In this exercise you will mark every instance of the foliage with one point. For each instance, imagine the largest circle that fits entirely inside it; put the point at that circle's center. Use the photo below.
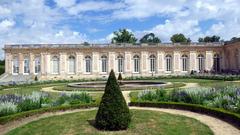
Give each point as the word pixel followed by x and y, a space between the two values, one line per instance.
pixel 235 39
pixel 73 98
pixel 7 108
pixel 120 77
pixel 213 38
pixel 123 36
pixel 150 38
pixel 227 98
pixel 180 38
pixel 35 78
pixel 113 112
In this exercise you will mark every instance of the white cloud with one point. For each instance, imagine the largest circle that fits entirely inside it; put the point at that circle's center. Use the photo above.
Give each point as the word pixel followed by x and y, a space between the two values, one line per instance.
pixel 94 6
pixel 4 11
pixel 65 3
pixel 6 24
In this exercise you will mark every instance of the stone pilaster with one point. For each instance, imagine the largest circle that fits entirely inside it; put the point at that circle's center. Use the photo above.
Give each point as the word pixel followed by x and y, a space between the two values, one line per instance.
pixel 209 60
pixel 128 62
pixel 21 63
pixel 79 63
pixel 47 63
pixel 8 63
pixel 31 63
pixel 160 61
pixel 176 62
pixel 63 63
pixel 111 61
pixel 95 62
pixel 193 61
pixel 144 62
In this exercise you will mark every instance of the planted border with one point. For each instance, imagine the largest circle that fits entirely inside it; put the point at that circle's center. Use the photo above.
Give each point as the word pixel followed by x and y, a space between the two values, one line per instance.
pixel 17 116
pixel 231 118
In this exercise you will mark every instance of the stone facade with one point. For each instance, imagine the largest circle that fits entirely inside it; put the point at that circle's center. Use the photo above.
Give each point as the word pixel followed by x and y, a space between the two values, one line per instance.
pixel 73 61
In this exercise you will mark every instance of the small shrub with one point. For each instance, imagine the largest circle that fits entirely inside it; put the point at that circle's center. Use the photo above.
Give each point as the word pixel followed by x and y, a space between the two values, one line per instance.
pixel 35 78
pixel 7 108
pixel 113 112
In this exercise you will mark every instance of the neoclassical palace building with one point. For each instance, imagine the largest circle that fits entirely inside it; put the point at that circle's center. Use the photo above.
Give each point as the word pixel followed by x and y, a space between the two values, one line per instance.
pixel 73 61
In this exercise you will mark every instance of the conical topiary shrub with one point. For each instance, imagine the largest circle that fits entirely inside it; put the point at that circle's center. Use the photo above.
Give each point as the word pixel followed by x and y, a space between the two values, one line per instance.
pixel 120 77
pixel 113 112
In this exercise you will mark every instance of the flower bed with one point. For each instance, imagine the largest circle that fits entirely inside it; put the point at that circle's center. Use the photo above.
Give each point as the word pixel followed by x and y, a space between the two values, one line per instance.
pixel 15 103
pixel 227 98
pixel 224 115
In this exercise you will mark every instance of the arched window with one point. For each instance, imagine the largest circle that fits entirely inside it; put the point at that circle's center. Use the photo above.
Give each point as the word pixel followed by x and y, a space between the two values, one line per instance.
pixel 184 62
pixel 55 65
pixel 37 65
pixel 120 63
pixel 136 64
pixel 88 64
pixel 216 63
pixel 15 65
pixel 152 63
pixel 201 64
pixel 26 65
pixel 168 62
pixel 71 65
pixel 104 63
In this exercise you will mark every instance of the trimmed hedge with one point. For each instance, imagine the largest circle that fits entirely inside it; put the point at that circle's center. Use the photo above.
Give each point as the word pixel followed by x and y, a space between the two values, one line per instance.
pixel 231 118
pixel 17 116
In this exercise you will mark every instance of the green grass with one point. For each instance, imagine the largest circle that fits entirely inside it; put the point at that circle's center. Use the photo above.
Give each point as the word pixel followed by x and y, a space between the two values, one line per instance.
pixel 143 123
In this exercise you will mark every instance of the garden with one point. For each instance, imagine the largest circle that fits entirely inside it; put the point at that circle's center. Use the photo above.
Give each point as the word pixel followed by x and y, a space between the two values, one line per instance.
pixel 215 96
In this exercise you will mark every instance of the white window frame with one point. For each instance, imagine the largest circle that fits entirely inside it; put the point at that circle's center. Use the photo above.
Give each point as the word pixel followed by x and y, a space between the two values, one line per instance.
pixel 184 63
pixel 201 62
pixel 104 64
pixel 71 58
pixel 57 60
pixel 88 65
pixel 169 63
pixel 15 65
pixel 37 65
pixel 120 64
pixel 136 64
pixel 26 66
pixel 152 64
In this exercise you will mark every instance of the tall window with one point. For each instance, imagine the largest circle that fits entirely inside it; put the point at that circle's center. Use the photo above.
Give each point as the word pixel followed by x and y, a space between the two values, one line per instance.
pixel 201 62
pixel 104 63
pixel 71 65
pixel 120 64
pixel 26 65
pixel 15 66
pixel 216 63
pixel 152 63
pixel 88 64
pixel 184 62
pixel 37 65
pixel 136 65
pixel 55 65
pixel 169 62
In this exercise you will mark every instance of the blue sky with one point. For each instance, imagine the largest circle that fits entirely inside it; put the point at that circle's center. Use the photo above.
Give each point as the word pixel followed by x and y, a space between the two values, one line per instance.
pixel 76 21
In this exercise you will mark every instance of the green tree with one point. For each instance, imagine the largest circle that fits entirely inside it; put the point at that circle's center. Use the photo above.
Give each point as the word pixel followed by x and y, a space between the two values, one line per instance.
pixel 113 112
pixel 179 38
pixel 123 36
pixel 213 38
pixel 150 38
pixel 235 39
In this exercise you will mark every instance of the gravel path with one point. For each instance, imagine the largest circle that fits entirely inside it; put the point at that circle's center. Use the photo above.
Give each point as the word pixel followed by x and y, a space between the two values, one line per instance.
pixel 219 127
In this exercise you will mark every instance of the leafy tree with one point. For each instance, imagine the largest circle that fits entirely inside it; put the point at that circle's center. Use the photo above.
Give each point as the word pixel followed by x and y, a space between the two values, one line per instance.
pixel 123 36
pixel 179 38
pixel 150 38
pixel 235 39
pixel 113 112
pixel 213 38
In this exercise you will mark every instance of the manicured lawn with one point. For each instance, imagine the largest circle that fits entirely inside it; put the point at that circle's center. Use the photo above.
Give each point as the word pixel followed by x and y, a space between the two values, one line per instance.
pixel 143 123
